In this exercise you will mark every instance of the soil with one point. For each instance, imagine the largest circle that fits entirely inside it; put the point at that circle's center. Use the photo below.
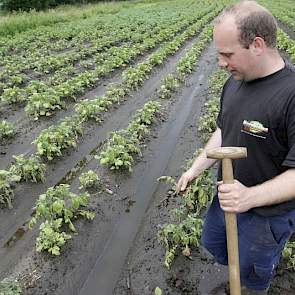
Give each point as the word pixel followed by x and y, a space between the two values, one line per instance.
pixel 118 252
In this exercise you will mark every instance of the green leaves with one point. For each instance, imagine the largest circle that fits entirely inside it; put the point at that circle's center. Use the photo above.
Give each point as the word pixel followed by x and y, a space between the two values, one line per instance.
pixel 43 104
pixel 168 87
pixel 9 287
pixel 180 237
pixel 120 148
pixel 289 254
pixel 158 291
pixel 6 191
pixel 88 179
pixel 58 207
pixel 6 129
pixel 53 140
pixel 28 169
pixel 13 95
pixel 50 238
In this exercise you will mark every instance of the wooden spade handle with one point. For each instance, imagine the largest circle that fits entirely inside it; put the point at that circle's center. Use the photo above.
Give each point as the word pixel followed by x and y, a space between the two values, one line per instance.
pixel 231 235
pixel 226 154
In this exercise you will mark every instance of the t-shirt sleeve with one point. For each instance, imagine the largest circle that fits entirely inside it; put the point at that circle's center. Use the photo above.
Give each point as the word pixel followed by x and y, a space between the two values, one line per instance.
pixel 290 125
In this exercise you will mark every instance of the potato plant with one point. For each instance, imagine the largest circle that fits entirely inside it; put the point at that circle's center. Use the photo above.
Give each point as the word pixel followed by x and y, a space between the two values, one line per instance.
pixel 13 95
pixel 58 207
pixel 9 287
pixel 43 104
pixel 207 123
pixel 118 151
pixel 92 109
pixel 28 169
pixel 168 87
pixel 6 129
pixel 120 148
pixel 289 255
pixel 6 191
pixel 51 239
pixel 180 237
pixel 88 179
pixel 53 140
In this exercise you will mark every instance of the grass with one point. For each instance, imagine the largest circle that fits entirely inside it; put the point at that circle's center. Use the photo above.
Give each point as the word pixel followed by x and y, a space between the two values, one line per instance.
pixel 17 22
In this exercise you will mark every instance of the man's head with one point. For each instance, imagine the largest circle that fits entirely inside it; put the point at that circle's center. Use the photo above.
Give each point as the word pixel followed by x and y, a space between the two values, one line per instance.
pixel 244 34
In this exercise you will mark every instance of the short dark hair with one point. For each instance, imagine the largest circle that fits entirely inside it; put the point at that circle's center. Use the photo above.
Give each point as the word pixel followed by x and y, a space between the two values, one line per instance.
pixel 254 22
pixel 258 24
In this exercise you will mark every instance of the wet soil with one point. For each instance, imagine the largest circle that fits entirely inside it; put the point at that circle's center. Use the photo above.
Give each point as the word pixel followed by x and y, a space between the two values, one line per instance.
pixel 117 252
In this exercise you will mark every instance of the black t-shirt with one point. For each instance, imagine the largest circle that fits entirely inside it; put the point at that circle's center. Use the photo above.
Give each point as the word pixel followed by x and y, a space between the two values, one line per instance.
pixel 260 115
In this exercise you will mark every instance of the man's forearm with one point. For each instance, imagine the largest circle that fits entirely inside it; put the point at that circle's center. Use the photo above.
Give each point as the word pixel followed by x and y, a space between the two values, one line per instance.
pixel 202 162
pixel 277 190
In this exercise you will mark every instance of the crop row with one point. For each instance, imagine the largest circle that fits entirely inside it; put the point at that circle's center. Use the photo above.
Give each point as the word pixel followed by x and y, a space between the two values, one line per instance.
pixel 132 78
pixel 118 152
pixel 120 148
pixel 43 100
pixel 67 35
pixel 128 32
pixel 52 141
pixel 184 232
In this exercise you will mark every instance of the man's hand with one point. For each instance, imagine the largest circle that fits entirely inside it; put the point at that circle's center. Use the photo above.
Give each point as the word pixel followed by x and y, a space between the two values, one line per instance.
pixel 234 197
pixel 185 178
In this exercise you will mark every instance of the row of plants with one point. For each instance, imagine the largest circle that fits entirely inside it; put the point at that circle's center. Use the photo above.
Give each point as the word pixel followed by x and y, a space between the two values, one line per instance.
pixel 46 101
pixel 185 66
pixel 134 32
pixel 53 140
pixel 91 28
pixel 184 232
pixel 123 145
pixel 135 76
pixel 57 209
pixel 50 61
pixel 23 169
pixel 282 11
pixel 47 143
pixel 13 79
pixel 287 44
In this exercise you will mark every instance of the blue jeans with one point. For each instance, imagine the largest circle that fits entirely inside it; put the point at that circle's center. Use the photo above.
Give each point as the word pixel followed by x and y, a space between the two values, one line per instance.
pixel 261 242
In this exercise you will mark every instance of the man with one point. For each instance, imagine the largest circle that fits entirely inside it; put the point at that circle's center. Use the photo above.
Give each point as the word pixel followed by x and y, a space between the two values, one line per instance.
pixel 257 112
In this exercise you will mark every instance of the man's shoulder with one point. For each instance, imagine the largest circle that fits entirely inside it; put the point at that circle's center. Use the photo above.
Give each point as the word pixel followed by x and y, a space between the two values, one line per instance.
pixel 290 69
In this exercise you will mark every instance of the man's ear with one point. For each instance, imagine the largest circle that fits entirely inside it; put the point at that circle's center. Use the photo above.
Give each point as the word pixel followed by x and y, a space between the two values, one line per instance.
pixel 258 46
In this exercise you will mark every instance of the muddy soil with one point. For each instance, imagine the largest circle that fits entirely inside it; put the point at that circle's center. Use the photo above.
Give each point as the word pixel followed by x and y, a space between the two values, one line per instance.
pixel 117 252
pixel 115 201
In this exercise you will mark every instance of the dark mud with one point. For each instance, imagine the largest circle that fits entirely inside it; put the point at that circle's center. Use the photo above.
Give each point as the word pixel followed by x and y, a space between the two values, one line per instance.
pixel 117 252
pixel 20 257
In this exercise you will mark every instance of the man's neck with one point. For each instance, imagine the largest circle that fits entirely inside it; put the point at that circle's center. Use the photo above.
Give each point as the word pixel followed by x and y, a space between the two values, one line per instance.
pixel 272 64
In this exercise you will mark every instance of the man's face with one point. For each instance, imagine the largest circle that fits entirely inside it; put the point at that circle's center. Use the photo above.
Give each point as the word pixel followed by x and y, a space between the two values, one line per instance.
pixel 232 56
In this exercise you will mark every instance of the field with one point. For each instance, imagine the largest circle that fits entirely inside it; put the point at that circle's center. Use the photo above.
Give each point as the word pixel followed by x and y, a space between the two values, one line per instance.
pixel 96 105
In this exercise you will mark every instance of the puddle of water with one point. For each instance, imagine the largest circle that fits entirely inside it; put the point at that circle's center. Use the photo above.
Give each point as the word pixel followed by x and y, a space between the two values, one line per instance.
pixel 16 236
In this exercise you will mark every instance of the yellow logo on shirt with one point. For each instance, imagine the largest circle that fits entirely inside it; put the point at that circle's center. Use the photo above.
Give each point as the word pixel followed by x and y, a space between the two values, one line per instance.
pixel 254 128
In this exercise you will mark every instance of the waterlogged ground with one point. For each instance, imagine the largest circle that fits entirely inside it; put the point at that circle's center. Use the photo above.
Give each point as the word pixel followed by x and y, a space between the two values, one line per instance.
pixel 118 252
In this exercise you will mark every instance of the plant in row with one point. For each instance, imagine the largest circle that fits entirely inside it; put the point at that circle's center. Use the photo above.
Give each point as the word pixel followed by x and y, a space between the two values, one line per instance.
pixel 58 207
pixel 6 187
pixel 28 169
pixel 53 140
pixel 120 148
pixel 88 179
pixel 6 129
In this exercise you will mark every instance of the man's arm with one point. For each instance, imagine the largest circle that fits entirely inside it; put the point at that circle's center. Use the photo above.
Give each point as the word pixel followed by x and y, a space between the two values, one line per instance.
pixel 201 163
pixel 238 198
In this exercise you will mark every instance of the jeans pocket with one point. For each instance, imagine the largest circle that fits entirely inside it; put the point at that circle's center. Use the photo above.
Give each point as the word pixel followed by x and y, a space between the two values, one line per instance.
pixel 261 275
pixel 258 232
